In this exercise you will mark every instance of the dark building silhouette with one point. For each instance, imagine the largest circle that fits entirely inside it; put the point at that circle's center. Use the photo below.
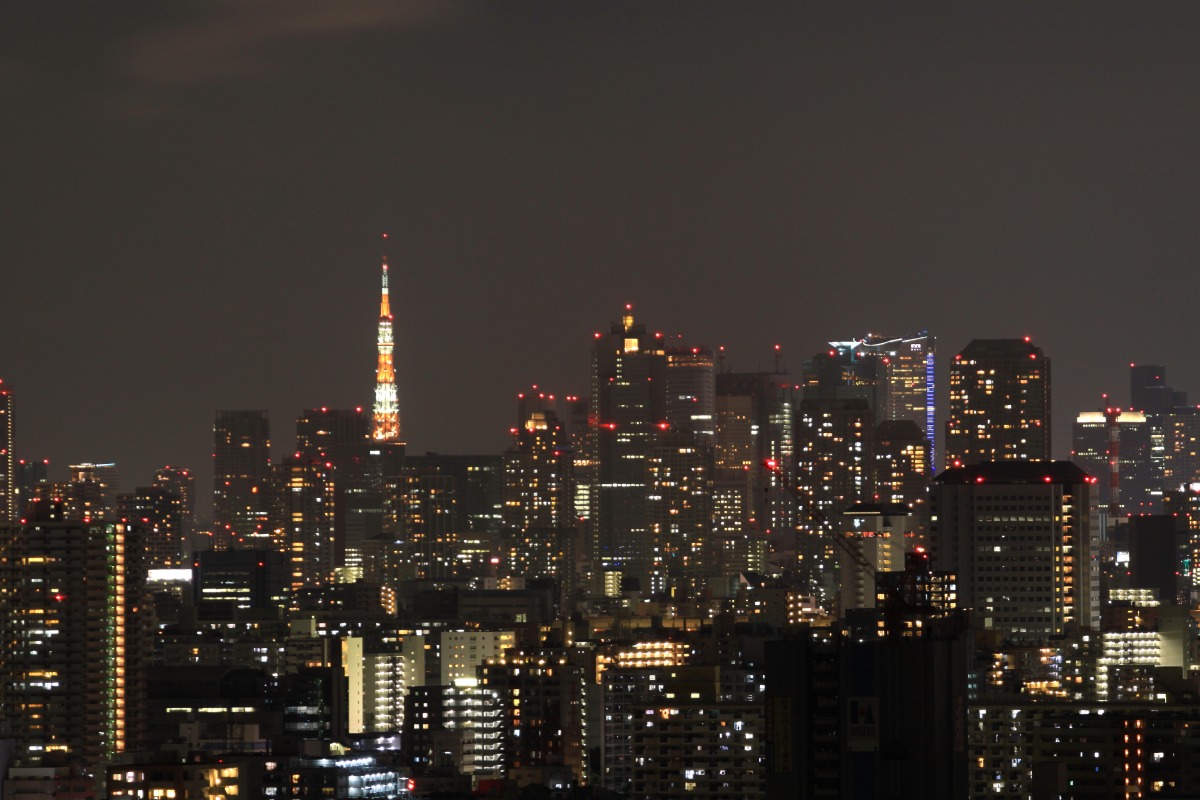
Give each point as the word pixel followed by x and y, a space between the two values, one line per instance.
pixel 241 476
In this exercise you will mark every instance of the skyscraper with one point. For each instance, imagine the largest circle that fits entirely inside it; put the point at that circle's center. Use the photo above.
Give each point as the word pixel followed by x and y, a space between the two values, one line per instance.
pixel 301 520
pixel 180 481
pixel 241 463
pixel 999 403
pixel 8 500
pixel 539 491
pixel 894 375
pixel 755 426
pixel 159 514
pixel 99 484
pixel 628 407
pixel 386 426
pixel 1092 443
pixel 1020 539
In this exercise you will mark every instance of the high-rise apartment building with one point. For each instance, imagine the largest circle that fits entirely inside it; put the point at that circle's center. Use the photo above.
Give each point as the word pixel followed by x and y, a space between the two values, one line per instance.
pixel 241 476
pixel 1019 537
pixel 999 403
pixel 8 499
pixel 76 638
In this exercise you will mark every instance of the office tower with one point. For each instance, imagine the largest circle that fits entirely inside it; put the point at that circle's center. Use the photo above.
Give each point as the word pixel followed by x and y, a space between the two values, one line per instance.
pixel 755 427
pixel 28 475
pixel 225 581
pixel 386 426
pixel 902 454
pixel 894 375
pixel 302 520
pixel 9 510
pixel 332 433
pixel 1183 504
pixel 1150 394
pixel 628 405
pixel 241 473
pixel 1148 390
pixel 539 492
pixel 159 514
pixel 1102 440
pixel 77 639
pixel 691 392
pixel 1019 537
pixel 100 484
pixel 477 482
pixel 423 507
pixel 999 403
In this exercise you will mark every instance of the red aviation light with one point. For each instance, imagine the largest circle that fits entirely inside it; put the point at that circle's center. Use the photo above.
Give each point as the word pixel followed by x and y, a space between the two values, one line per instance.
pixel 1028 339
pixel 662 426
pixel 979 479
pixel 1047 479
pixel 771 464
pixel 58 598
pixel 1033 355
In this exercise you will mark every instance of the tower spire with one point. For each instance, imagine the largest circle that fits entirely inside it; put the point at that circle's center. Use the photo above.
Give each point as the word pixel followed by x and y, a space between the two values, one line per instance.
pixel 386 426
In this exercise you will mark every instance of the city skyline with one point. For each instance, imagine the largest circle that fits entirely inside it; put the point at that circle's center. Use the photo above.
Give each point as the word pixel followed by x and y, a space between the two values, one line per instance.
pixel 206 243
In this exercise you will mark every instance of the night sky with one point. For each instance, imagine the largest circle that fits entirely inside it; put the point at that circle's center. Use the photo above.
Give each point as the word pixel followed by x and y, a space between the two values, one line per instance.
pixel 193 197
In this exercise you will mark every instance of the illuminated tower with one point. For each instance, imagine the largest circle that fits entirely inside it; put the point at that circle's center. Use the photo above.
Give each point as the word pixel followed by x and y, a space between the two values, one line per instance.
pixel 387 408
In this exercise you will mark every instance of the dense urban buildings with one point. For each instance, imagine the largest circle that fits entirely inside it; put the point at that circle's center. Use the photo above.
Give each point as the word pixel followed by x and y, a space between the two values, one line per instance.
pixel 692 581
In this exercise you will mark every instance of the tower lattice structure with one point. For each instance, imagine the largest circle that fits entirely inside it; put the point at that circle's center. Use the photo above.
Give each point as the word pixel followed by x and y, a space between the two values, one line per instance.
pixel 386 427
